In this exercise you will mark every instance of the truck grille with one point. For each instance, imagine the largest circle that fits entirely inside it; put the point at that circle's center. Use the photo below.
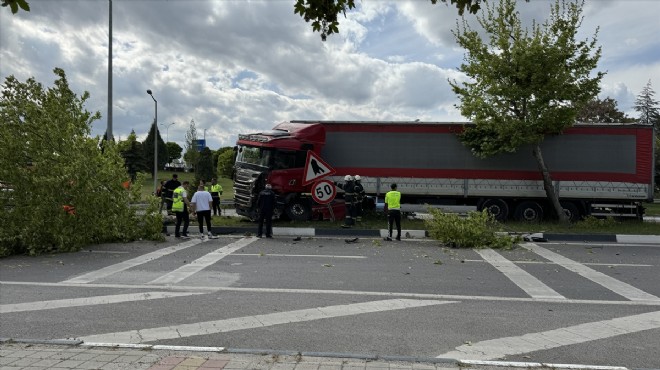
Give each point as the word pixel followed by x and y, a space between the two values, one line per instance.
pixel 243 197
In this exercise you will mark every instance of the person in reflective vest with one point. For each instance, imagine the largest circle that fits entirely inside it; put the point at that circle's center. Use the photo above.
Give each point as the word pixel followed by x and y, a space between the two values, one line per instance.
pixel 216 192
pixel 180 207
pixel 393 211
pixel 349 200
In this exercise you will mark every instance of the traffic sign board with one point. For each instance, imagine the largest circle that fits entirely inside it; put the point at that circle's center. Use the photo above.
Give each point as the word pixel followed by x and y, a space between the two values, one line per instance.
pixel 315 168
pixel 324 191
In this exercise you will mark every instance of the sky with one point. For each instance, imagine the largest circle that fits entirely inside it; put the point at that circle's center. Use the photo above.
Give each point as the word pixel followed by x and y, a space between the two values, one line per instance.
pixel 242 66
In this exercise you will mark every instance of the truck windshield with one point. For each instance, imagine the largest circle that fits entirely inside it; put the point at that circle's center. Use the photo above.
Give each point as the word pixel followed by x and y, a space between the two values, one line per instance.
pixel 254 155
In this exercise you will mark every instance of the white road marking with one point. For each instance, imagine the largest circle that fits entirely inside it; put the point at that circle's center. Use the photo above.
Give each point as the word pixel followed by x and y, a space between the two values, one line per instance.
pixel 122 266
pixel 502 347
pixel 524 280
pixel 201 263
pixel 618 287
pixel 337 292
pixel 257 321
pixel 88 301
pixel 530 365
pixel 297 255
pixel 586 263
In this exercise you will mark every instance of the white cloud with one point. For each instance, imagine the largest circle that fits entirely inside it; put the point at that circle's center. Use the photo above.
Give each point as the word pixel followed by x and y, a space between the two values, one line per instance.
pixel 234 66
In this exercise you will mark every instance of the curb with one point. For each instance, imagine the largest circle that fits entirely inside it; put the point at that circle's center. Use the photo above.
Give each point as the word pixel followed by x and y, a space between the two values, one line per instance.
pixel 367 357
pixel 423 234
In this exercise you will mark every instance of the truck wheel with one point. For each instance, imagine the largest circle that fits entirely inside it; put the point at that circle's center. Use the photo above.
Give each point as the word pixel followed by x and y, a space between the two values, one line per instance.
pixel 571 210
pixel 496 207
pixel 298 210
pixel 529 212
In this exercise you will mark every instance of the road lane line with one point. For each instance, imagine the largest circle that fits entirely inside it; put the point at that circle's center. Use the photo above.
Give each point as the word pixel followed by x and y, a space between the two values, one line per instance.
pixel 586 263
pixel 502 347
pixel 257 321
pixel 201 263
pixel 122 266
pixel 297 255
pixel 524 280
pixel 88 301
pixel 617 286
pixel 485 298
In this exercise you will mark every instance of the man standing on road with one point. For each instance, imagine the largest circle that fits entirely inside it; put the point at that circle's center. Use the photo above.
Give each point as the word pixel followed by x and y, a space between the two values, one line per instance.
pixel 349 199
pixel 201 203
pixel 216 192
pixel 170 186
pixel 266 206
pixel 393 210
pixel 180 207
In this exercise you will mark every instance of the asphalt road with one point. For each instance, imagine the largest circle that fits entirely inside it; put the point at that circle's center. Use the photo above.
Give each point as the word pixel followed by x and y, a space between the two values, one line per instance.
pixel 581 303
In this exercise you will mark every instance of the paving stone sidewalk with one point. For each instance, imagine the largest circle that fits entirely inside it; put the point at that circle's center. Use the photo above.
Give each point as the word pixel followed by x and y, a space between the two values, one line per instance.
pixel 24 356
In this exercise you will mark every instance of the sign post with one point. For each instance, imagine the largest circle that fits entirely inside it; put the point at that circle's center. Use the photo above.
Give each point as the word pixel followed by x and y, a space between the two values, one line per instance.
pixel 324 192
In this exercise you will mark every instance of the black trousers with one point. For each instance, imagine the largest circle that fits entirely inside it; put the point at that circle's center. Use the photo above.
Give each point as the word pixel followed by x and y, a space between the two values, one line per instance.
pixel 182 216
pixel 394 216
pixel 201 216
pixel 266 217
pixel 216 206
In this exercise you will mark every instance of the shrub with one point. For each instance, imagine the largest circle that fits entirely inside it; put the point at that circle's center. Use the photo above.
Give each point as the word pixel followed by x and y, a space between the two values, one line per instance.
pixel 66 190
pixel 477 230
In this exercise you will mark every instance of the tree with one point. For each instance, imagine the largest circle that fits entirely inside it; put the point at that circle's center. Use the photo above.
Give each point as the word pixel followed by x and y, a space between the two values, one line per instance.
pixel 66 193
pixel 323 13
pixel 124 145
pixel 525 85
pixel 649 113
pixel 15 4
pixel 174 151
pixel 148 148
pixel 134 159
pixel 192 154
pixel 602 111
pixel 205 170
pixel 225 167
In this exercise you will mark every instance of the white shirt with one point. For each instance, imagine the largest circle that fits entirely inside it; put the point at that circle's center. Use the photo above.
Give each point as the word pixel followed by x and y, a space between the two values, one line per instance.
pixel 201 200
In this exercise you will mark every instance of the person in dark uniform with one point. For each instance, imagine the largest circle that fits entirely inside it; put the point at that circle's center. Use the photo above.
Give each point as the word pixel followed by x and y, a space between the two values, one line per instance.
pixel 349 199
pixel 266 206
pixel 170 186
pixel 359 197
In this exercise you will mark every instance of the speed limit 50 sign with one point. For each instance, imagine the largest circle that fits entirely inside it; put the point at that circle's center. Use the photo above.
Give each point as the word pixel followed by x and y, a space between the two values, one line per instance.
pixel 324 191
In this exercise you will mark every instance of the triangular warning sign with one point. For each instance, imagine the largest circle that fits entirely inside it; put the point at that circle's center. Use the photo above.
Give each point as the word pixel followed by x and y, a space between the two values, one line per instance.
pixel 315 168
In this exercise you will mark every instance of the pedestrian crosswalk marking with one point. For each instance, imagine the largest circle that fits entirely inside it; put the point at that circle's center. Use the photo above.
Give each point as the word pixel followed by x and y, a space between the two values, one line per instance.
pixel 619 287
pixel 501 347
pixel 89 301
pixel 258 321
pixel 201 263
pixel 122 266
pixel 524 280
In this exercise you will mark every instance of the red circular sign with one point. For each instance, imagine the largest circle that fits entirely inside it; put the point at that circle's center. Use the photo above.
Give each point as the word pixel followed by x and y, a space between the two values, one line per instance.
pixel 324 191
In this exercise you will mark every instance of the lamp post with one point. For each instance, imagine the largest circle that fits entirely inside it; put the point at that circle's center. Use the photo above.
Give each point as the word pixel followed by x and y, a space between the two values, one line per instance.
pixel 155 142
pixel 167 130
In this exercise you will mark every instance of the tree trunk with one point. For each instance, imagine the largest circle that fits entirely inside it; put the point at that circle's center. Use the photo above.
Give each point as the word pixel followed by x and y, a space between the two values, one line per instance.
pixel 548 186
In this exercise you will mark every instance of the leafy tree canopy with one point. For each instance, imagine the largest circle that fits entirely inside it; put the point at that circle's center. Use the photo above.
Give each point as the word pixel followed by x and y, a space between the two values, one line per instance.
pixel 647 106
pixel 15 4
pixel 525 84
pixel 602 111
pixel 65 192
pixel 174 151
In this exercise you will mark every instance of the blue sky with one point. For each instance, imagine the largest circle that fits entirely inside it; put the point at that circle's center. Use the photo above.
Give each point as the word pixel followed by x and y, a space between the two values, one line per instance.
pixel 237 66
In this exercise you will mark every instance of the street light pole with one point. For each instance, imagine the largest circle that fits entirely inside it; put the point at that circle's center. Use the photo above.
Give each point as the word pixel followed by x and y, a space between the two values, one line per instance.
pixel 167 130
pixel 155 142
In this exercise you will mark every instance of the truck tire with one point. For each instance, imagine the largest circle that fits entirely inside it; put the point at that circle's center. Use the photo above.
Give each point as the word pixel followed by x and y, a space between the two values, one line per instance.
pixel 496 207
pixel 298 210
pixel 571 210
pixel 528 211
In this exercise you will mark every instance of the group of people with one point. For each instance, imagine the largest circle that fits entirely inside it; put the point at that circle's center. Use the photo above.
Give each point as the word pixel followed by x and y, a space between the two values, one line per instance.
pixel 354 195
pixel 174 195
